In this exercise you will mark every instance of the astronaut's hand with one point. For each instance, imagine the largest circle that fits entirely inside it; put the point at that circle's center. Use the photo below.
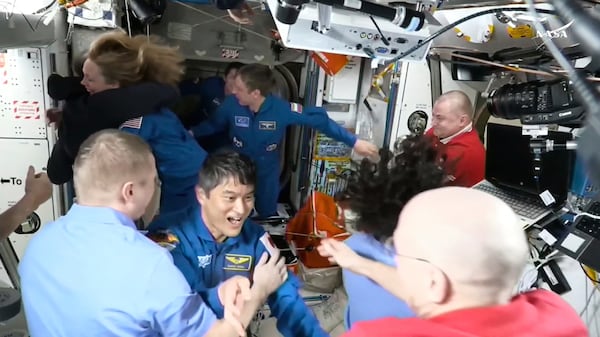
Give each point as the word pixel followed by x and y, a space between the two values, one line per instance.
pixel 366 149
pixel 38 188
pixel 269 275
pixel 242 14
pixel 233 293
pixel 54 116
pixel 339 253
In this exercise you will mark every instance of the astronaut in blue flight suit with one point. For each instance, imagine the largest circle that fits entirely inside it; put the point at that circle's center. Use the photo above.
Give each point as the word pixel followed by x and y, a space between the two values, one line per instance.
pixel 216 240
pixel 178 157
pixel 212 91
pixel 256 121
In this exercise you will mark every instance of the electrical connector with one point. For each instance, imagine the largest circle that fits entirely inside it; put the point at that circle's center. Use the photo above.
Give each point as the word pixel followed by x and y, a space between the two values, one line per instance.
pixel 554 277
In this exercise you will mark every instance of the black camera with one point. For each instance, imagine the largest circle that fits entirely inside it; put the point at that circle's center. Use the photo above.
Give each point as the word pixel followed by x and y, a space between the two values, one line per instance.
pixel 289 10
pixel 537 102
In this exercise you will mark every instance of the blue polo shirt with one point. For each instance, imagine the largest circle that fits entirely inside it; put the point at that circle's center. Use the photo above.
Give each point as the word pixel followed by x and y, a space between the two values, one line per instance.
pixel 367 300
pixel 91 273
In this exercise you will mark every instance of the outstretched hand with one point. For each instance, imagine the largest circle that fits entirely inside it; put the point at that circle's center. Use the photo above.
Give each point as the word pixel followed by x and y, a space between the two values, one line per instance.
pixel 366 149
pixel 38 187
pixel 339 253
pixel 242 15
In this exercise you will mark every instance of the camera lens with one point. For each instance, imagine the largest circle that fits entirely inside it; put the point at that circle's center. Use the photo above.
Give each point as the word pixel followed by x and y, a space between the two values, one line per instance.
pixel 511 101
pixel 288 10
pixel 287 14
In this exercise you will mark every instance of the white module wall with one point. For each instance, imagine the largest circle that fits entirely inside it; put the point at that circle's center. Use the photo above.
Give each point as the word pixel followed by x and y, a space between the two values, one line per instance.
pixel 24 136
pixel 22 99
pixel 22 153
pixel 414 99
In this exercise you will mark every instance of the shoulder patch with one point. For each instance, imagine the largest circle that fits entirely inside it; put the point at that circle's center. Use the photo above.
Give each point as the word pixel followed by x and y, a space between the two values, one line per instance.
pixel 296 107
pixel 268 243
pixel 164 239
pixel 135 123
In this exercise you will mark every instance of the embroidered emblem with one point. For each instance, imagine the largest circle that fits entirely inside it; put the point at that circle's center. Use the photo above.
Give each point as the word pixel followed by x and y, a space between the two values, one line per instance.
pixel 237 262
pixel 204 261
pixel 135 123
pixel 242 121
pixel 295 107
pixel 237 142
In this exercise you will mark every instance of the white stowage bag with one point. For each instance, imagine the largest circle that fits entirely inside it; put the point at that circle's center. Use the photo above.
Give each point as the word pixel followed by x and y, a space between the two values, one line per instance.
pixel 329 308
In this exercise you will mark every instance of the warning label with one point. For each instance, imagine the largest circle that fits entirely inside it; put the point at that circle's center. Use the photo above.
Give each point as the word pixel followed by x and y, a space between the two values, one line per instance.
pixel 26 109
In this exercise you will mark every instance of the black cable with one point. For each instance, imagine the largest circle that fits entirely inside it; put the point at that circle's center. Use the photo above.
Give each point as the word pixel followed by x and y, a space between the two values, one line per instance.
pixel 28 23
pixel 465 19
pixel 383 38
pixel 545 251
pixel 46 10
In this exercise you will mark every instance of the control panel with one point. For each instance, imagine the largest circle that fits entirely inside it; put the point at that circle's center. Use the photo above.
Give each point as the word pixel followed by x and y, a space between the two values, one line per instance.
pixel 351 33
pixel 371 43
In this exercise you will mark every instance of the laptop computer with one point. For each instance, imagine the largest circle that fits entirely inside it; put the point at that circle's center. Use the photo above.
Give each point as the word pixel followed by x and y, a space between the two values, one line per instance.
pixel 582 242
pixel 509 171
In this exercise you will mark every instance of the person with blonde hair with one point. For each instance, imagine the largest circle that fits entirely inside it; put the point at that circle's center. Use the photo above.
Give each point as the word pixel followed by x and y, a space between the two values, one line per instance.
pixel 128 83
pixel 92 273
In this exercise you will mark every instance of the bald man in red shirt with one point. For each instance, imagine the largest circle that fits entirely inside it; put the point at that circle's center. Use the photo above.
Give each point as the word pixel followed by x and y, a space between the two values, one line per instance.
pixel 458 273
pixel 452 127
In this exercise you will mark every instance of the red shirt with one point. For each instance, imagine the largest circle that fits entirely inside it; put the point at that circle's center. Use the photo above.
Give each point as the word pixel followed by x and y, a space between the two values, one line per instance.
pixel 465 158
pixel 538 313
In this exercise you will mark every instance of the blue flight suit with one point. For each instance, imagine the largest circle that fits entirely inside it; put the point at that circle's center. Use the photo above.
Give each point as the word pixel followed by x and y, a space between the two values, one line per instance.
pixel 212 91
pixel 178 157
pixel 206 263
pixel 259 136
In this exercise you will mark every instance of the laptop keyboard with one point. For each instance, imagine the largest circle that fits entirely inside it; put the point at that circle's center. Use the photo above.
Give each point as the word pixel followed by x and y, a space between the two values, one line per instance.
pixel 589 225
pixel 523 206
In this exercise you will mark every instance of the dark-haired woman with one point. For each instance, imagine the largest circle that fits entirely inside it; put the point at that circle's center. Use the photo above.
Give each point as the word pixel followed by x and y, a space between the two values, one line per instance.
pixel 376 195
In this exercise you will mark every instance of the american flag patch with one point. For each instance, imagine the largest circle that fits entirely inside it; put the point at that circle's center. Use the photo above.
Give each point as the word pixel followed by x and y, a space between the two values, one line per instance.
pixel 295 107
pixel 135 123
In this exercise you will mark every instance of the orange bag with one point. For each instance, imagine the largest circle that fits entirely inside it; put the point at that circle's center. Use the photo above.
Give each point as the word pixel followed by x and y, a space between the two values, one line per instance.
pixel 331 63
pixel 320 217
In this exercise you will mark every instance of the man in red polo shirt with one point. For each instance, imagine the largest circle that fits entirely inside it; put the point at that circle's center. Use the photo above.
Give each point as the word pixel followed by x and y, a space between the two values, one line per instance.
pixel 458 272
pixel 452 125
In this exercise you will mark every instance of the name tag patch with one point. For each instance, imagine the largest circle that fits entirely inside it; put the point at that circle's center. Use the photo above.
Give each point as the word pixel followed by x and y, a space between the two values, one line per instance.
pixel 242 121
pixel 237 262
pixel 267 125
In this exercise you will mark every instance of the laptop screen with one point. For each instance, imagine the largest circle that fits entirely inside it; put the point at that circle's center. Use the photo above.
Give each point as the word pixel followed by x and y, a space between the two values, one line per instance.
pixel 509 162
